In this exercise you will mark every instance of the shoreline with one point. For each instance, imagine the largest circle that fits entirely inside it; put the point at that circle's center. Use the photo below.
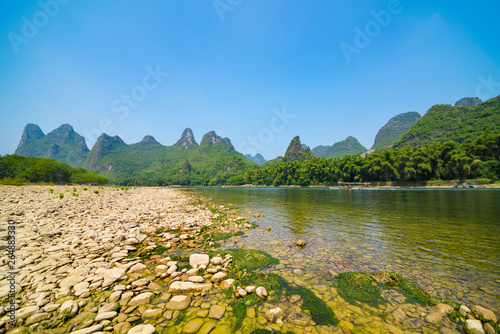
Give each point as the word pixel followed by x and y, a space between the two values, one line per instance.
pixel 109 259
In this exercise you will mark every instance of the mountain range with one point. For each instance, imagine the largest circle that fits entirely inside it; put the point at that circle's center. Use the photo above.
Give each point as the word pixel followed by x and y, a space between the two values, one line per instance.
pixel 63 144
pixel 215 157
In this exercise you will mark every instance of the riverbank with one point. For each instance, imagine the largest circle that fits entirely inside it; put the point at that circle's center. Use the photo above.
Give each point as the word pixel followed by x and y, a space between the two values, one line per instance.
pixel 103 259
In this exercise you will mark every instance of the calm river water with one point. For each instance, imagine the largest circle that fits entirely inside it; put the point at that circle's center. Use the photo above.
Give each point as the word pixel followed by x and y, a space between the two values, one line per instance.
pixel 445 240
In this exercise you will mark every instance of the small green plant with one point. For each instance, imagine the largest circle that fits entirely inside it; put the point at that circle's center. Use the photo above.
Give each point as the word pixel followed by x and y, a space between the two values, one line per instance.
pixel 85 188
pixel 61 195
pixel 74 190
pixel 96 191
pixel 51 190
pixel 75 194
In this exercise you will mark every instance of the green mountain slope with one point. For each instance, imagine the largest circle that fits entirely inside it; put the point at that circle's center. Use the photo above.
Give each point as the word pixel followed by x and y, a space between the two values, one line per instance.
pixel 149 162
pixel 63 144
pixel 444 122
pixel 393 130
pixel 348 146
pixel 297 152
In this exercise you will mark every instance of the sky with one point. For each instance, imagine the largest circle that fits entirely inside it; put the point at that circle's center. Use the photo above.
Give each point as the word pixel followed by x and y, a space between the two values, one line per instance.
pixel 258 72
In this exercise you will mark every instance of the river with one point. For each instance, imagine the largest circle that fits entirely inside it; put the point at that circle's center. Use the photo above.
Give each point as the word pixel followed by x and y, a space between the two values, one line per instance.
pixel 445 240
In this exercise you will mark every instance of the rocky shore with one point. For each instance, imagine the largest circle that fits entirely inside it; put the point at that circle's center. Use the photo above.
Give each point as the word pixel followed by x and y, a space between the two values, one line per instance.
pixel 145 260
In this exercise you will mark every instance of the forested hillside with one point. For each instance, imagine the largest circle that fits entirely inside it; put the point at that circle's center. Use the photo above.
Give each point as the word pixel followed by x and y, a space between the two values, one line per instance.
pixel 444 122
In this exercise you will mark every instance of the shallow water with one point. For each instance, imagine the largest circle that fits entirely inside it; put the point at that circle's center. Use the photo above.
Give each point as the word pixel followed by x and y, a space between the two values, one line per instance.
pixel 447 241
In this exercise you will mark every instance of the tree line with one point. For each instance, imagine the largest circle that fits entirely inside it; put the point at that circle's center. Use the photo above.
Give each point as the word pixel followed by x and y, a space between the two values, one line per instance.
pixel 16 169
pixel 437 161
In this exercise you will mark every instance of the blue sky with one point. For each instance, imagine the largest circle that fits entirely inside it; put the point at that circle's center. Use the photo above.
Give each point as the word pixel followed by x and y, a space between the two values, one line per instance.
pixel 334 68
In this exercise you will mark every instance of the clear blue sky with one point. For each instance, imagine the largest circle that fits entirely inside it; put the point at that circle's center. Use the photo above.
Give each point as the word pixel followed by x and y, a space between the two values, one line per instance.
pixel 233 63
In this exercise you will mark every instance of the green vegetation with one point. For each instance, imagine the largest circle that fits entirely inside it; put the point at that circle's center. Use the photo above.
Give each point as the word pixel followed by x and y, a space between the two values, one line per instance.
pixel 360 286
pixel 460 124
pixel 61 195
pixel 246 261
pixel 15 169
pixel 349 146
pixel 297 152
pixel 96 192
pixel 394 129
pixel 366 287
pixel 448 161
pixel 144 253
pixel 213 162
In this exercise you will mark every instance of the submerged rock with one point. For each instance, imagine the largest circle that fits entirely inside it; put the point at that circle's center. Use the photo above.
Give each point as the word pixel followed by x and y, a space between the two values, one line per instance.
pixel 473 327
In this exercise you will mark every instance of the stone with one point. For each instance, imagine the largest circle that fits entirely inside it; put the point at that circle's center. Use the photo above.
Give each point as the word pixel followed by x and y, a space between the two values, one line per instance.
pixel 261 292
pixel 219 277
pixel 160 269
pixel 399 315
pixel 196 279
pixel 188 287
pixel 207 328
pixel 444 308
pixel 412 323
pixel 71 281
pixel 294 299
pixel 25 312
pixel 137 268
pixel 485 313
pixel 222 329
pixel 71 305
pixel 152 313
pixel 142 329
pixel 110 275
pixel 434 318
pixel 81 287
pixel 333 273
pixel 180 302
pixel 106 316
pixel 216 312
pixel 140 282
pixel 89 330
pixel 141 299
pixel 108 307
pixel 199 259
pixel 36 318
pixel 227 283
pixel 300 242
pixel 241 292
pixel 299 318
pixel 464 310
pixel 115 296
pixel 473 327
pixel 192 326
pixel 447 330
pixel 274 314
pixel 250 289
pixel 122 327
pixel 172 270
pixel 488 329
pixel 216 260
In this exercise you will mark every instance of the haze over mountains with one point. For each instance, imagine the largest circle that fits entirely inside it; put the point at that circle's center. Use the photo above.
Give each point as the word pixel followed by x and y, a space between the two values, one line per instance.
pixel 216 156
